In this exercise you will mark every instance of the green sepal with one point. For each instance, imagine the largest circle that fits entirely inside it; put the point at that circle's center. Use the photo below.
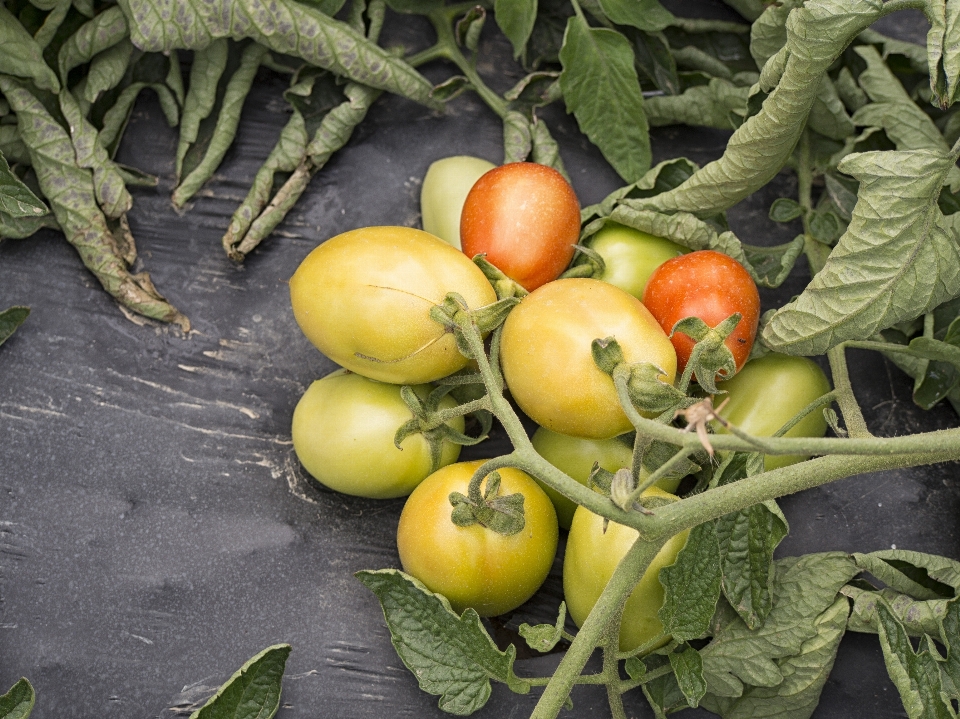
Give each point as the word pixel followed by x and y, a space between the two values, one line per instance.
pixel 503 285
pixel 710 356
pixel 544 637
pixel 451 656
pixel 648 392
pixel 501 514
pixel 253 692
pixel 10 319
pixel 18 702
pixel 635 668
pixel 607 354
pixel 588 263
pixel 621 489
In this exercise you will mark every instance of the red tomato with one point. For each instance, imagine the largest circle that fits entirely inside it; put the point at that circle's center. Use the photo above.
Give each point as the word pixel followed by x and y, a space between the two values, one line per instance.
pixel 526 218
pixel 709 285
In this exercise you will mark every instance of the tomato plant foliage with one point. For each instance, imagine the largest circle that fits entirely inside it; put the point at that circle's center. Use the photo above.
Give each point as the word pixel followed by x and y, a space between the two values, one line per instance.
pixel 866 122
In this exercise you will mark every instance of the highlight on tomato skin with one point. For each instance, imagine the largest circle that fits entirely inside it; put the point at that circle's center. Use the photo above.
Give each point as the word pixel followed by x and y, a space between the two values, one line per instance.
pixel 525 218
pixel 709 285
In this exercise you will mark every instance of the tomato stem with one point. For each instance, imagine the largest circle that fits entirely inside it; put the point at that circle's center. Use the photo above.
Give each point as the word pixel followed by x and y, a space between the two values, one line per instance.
pixel 843 389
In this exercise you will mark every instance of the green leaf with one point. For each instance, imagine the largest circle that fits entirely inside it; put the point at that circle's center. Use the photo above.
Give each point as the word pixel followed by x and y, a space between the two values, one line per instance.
pixel 784 209
pixel 544 637
pixel 515 19
pixel 517 141
pixel 16 199
pixel 918 616
pixel 601 89
pixel 18 702
pixel 747 540
pixel 287 27
pixel 817 33
pixel 828 116
pixel 804 588
pixel 663 693
pixel 688 669
pixel 770 266
pixel 715 104
pixel 897 259
pixel 646 15
pixel 22 56
pixel 546 151
pixel 916 675
pixel 662 177
pixel 923 576
pixel 70 191
pixel 692 585
pixel 107 70
pixel 205 72
pixel 451 656
pixel 653 58
pixel 225 129
pixel 943 52
pixel 804 675
pixel 895 112
pixel 950 636
pixel 102 32
pixel 253 692
pixel 825 226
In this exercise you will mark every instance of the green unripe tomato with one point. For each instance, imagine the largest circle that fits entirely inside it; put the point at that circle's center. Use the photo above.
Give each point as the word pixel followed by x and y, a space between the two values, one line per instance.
pixel 630 256
pixel 445 187
pixel 343 430
pixel 576 456
pixel 593 553
pixel 767 393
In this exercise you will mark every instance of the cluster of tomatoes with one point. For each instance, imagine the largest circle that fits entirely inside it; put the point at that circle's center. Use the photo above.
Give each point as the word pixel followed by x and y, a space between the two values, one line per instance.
pixel 365 298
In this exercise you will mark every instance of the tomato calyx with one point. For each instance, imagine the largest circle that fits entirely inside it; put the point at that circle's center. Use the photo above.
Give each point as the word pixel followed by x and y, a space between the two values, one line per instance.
pixel 456 316
pixel 587 263
pixel 504 286
pixel 648 392
pixel 431 422
pixel 710 357
pixel 501 514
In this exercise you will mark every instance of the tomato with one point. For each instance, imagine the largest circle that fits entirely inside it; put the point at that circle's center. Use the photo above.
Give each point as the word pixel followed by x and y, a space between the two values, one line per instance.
pixel 709 285
pixel 630 256
pixel 445 187
pixel 576 456
pixel 364 299
pixel 343 430
pixel 475 566
pixel 767 393
pixel 545 352
pixel 526 218
pixel 593 553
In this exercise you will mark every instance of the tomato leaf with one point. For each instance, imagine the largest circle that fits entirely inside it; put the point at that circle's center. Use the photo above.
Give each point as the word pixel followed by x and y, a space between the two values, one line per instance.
pixel 22 56
pixel 919 590
pixel 18 702
pixel 660 178
pixel 914 260
pixel 942 53
pixel 16 199
pixel 10 319
pixel 895 112
pixel 816 34
pixel 663 693
pixel 544 637
pixel 253 692
pixel 648 15
pixel 287 27
pixel 515 18
pixel 452 656
pixel 692 585
pixel 805 674
pixel 803 589
pixel 748 539
pixel 915 674
pixel 784 209
pixel 719 103
pixel 688 668
pixel 601 88
pixel 950 636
